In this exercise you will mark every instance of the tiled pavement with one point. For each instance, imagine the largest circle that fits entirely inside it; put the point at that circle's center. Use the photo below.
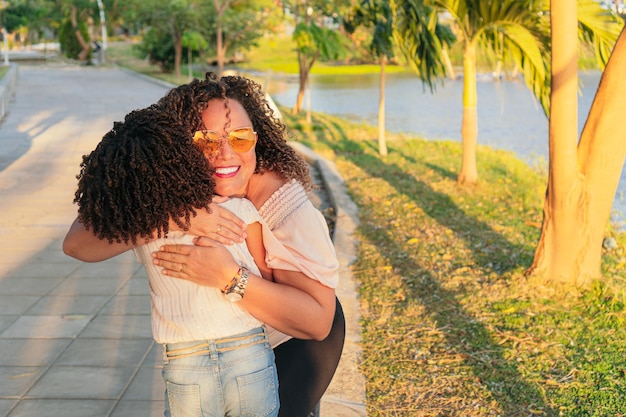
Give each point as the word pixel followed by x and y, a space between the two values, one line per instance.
pixel 75 337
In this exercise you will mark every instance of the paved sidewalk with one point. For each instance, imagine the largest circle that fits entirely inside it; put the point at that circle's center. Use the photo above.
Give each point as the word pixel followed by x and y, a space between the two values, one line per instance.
pixel 76 337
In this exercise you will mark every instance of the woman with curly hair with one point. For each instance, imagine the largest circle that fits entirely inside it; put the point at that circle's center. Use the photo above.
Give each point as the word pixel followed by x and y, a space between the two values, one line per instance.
pixel 145 177
pixel 303 304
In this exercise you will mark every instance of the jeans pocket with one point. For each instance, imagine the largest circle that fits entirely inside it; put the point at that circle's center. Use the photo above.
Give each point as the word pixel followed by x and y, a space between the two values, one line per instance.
pixel 183 400
pixel 258 393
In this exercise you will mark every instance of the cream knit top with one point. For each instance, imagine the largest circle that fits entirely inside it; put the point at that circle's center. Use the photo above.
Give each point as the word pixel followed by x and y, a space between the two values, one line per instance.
pixel 184 311
pixel 302 229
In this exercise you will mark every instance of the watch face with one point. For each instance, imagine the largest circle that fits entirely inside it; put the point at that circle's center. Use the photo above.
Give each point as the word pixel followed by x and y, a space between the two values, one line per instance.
pixel 233 296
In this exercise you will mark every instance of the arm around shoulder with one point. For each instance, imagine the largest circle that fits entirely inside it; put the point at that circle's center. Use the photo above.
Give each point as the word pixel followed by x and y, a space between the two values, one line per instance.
pixel 83 245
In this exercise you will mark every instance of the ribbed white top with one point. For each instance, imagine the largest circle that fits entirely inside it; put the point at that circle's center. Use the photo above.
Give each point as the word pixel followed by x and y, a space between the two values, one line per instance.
pixel 183 311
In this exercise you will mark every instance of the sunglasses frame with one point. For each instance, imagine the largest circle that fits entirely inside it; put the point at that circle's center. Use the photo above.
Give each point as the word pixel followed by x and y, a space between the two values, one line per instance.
pixel 201 139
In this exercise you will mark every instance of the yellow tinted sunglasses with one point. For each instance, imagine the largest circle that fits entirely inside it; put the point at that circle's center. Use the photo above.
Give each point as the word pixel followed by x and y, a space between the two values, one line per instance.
pixel 240 140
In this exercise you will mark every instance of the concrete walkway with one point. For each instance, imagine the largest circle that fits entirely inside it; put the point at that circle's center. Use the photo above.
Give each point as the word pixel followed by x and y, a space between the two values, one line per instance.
pixel 76 338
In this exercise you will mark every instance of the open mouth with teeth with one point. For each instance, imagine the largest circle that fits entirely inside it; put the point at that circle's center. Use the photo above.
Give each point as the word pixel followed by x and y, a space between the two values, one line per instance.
pixel 226 171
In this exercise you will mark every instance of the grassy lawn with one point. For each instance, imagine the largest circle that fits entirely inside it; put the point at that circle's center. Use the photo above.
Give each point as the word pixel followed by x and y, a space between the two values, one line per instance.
pixel 450 325
pixel 278 54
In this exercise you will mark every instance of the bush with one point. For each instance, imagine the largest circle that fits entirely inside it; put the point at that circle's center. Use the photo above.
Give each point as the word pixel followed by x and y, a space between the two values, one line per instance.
pixel 67 39
pixel 159 49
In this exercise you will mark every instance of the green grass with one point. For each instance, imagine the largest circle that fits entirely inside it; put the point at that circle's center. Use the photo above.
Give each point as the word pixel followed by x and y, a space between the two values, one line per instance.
pixel 278 54
pixel 450 326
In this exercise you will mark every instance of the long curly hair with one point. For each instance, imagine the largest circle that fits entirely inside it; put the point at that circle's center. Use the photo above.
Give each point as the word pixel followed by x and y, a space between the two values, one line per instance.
pixel 144 173
pixel 273 153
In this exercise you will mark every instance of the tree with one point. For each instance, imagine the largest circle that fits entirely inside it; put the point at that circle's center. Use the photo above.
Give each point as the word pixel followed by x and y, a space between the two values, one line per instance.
pixel 193 41
pixel 220 8
pixel 377 14
pixel 35 16
pixel 169 18
pixel 237 25
pixel 515 31
pixel 508 27
pixel 157 46
pixel 69 42
pixel 233 26
pixel 79 13
pixel 314 40
pixel 583 178
pixel 413 29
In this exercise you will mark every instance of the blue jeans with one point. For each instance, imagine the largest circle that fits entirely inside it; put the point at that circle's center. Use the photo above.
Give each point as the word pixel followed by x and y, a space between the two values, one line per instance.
pixel 234 376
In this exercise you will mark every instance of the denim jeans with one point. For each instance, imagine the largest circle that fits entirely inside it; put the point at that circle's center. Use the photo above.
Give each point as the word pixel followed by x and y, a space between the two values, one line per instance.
pixel 234 376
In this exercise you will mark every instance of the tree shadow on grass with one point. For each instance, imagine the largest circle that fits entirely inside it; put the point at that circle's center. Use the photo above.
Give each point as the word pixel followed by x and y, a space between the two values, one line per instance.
pixel 464 336
pixel 490 249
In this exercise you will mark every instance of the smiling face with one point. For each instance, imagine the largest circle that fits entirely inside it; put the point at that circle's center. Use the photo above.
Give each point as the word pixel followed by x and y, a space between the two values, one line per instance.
pixel 233 170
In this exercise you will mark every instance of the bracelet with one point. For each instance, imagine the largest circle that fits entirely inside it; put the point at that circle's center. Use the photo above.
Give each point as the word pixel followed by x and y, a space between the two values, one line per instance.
pixel 237 287
pixel 233 282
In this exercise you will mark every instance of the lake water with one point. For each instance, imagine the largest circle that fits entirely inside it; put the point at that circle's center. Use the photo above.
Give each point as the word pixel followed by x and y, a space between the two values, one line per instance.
pixel 509 117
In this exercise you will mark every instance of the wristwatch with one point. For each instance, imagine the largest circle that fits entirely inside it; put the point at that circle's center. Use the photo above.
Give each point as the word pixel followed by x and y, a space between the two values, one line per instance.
pixel 237 287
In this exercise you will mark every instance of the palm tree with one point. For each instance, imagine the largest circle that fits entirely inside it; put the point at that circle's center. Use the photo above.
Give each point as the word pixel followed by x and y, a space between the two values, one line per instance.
pixel 411 28
pixel 509 28
pixel 583 178
pixel 517 31
pixel 378 14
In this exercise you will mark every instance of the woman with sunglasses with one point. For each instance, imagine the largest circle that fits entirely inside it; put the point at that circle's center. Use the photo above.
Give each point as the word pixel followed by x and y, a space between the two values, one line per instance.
pixel 275 179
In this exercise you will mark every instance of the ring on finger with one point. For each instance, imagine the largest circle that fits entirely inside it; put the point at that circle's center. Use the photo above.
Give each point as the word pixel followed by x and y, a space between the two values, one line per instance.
pixel 219 228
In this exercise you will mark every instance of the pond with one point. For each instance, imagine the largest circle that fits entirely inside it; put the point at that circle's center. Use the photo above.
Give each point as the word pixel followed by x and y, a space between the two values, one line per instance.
pixel 509 117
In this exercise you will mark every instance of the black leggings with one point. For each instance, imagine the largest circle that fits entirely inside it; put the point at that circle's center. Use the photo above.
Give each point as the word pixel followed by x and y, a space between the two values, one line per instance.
pixel 306 367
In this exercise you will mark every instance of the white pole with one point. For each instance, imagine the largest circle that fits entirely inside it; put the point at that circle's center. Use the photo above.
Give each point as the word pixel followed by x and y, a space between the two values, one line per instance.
pixel 6 47
pixel 308 99
pixel 103 26
pixel 4 37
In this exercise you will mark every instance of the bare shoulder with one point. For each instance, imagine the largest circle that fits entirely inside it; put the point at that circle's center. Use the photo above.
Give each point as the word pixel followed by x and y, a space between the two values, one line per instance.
pixel 262 186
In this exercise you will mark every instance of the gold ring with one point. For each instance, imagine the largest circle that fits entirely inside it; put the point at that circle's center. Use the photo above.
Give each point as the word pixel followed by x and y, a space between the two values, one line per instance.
pixel 219 228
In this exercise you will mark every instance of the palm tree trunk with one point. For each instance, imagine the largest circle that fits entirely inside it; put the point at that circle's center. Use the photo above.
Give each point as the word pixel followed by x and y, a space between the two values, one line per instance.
pixel 382 141
pixel 600 155
pixel 602 149
pixel 469 125
pixel 446 61
pixel 565 236
pixel 303 74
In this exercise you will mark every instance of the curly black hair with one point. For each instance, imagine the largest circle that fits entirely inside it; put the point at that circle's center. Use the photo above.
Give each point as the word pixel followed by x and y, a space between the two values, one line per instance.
pixel 273 153
pixel 144 173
